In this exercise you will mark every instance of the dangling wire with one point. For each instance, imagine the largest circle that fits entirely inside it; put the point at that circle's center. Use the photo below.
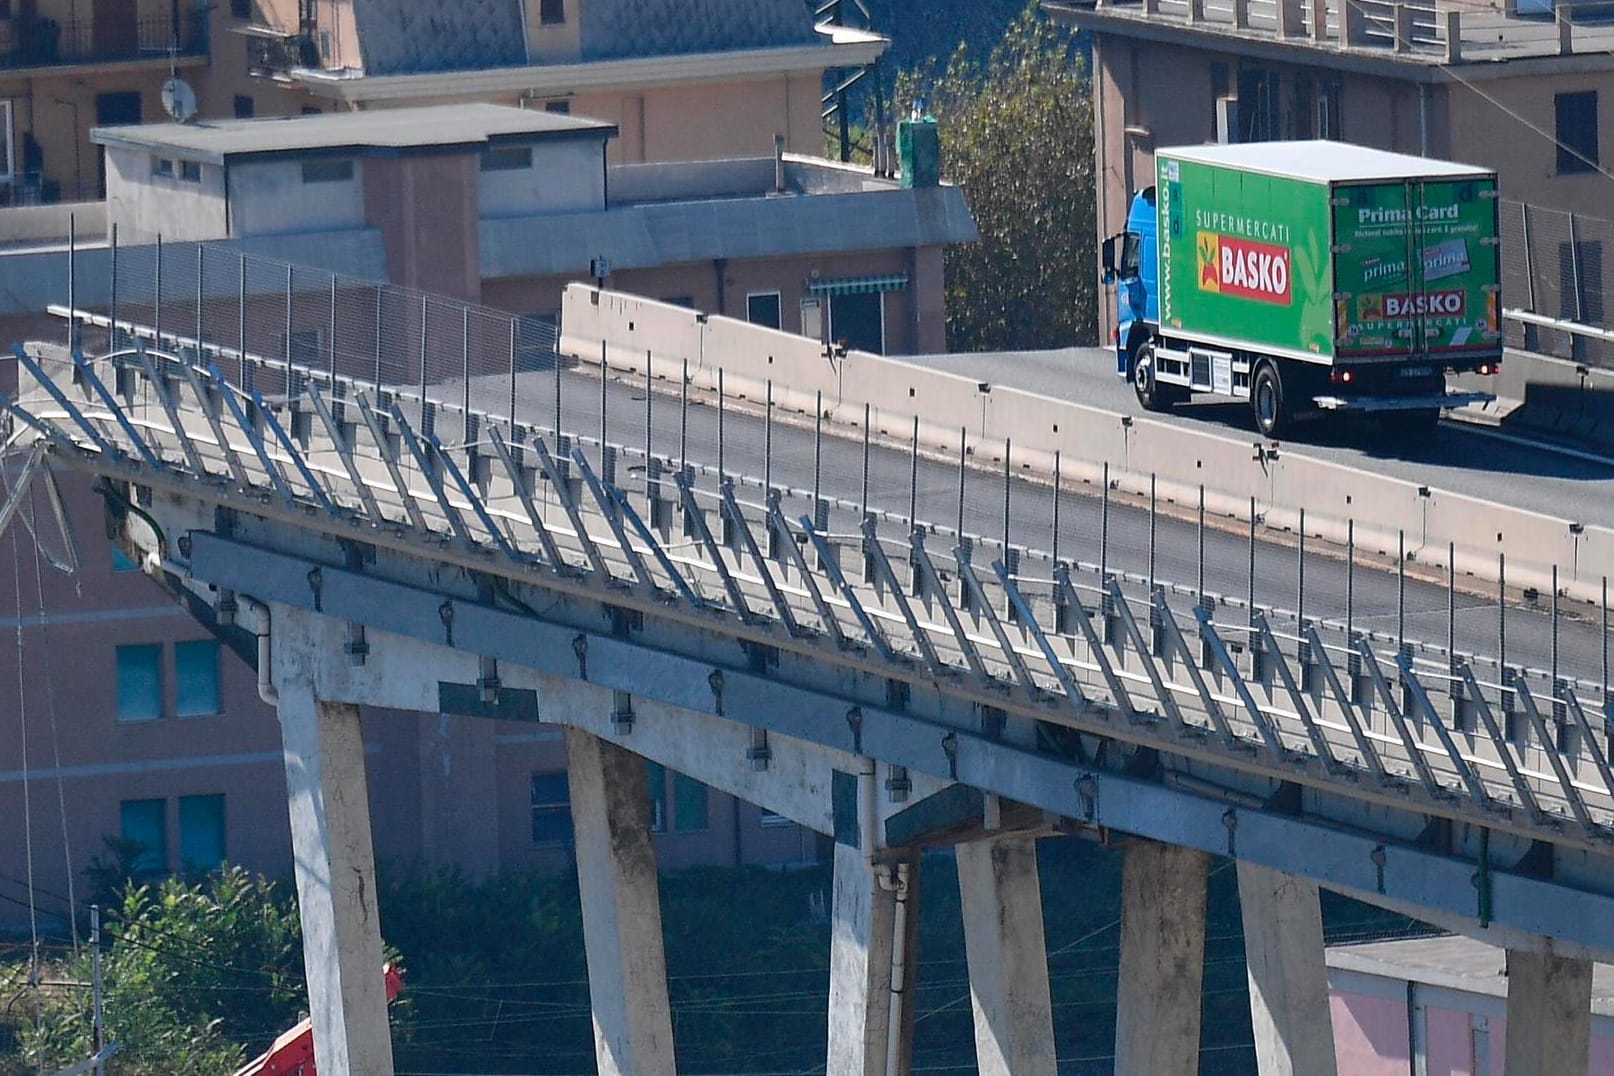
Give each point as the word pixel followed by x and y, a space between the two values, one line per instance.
pixel 27 796
pixel 55 738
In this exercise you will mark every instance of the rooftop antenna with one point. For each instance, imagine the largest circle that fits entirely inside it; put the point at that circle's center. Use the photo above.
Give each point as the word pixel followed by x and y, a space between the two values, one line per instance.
pixel 179 100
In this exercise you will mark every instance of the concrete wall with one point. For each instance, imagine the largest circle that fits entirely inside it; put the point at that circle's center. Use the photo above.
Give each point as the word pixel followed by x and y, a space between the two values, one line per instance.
pixel 270 198
pixel 1456 1030
pixel 144 205
pixel 1528 164
pixel 1180 458
pixel 425 209
pixel 565 177
pixel 51 223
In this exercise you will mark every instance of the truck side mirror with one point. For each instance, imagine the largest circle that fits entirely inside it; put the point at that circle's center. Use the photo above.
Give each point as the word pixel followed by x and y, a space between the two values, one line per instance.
pixel 1109 258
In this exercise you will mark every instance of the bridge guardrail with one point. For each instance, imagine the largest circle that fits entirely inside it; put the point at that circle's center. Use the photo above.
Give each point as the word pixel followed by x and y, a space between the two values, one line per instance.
pixel 1319 699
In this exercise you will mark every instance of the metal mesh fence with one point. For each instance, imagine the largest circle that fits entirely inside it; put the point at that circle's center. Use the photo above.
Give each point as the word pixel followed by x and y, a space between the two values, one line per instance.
pixel 270 327
pixel 1553 269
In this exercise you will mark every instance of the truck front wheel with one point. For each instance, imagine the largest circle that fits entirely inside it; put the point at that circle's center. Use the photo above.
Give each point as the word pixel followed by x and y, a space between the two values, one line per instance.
pixel 1267 402
pixel 1152 395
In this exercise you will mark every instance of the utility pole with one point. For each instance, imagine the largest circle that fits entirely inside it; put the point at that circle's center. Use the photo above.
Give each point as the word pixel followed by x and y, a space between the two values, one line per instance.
pixel 99 1033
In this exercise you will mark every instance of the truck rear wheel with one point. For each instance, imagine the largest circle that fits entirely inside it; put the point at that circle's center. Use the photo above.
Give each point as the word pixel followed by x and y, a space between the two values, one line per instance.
pixel 1152 395
pixel 1267 401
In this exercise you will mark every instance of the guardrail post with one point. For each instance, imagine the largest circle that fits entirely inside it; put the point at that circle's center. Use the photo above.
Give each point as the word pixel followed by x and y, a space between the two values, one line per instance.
pixel 1196 10
pixel 1454 36
pixel 1319 19
pixel 1241 14
pixel 1403 28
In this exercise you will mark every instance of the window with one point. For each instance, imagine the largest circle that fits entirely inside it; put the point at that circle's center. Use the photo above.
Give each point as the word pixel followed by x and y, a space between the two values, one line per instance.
pixel 1577 132
pixel 858 321
pixel 120 559
pixel 201 832
pixel 560 108
pixel 762 308
pixel 162 166
pixel 1259 113
pixel 140 685
pixel 551 12
pixel 551 808
pixel 328 171
pixel 190 171
pixel 8 165
pixel 656 778
pixel 144 823
pixel 507 159
pixel 241 9
pixel 245 107
pixel 689 805
pixel 196 678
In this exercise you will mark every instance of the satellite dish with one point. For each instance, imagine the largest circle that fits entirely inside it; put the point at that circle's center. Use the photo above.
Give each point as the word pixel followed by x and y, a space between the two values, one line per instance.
pixel 179 100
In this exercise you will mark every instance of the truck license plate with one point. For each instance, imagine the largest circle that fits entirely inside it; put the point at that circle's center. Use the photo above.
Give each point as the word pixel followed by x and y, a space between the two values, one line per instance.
pixel 1417 371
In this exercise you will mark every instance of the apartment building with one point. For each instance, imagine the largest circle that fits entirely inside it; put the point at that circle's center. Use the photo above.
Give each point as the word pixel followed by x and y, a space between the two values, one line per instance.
pixel 1514 87
pixel 132 720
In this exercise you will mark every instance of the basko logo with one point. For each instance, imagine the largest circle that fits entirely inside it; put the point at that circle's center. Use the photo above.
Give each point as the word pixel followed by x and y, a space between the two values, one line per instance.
pixel 1240 267
pixel 1429 304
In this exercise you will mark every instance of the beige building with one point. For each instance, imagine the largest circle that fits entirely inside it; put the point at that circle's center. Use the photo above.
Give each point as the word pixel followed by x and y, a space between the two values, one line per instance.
pixel 1516 90
pixel 679 83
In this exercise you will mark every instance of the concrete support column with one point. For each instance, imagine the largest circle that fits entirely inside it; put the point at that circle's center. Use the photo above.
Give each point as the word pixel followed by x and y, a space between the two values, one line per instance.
pixel 329 805
pixel 1162 960
pixel 1008 957
pixel 1549 1014
pixel 616 874
pixel 1283 946
pixel 861 933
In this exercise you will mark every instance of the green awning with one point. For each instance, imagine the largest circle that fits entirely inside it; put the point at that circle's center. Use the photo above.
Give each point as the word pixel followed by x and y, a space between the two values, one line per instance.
pixel 858 285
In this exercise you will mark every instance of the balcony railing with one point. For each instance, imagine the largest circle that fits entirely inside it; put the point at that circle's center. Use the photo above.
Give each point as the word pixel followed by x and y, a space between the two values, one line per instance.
pixel 45 42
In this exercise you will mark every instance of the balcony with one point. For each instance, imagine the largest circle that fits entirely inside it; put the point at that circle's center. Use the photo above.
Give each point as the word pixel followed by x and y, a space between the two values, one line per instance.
pixel 45 42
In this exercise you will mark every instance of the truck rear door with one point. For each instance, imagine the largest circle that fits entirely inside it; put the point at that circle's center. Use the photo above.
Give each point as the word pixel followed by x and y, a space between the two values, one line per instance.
pixel 1416 268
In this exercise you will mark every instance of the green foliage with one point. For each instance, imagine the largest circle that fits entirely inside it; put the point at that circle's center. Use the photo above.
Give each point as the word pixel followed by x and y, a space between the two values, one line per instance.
pixel 1017 136
pixel 192 973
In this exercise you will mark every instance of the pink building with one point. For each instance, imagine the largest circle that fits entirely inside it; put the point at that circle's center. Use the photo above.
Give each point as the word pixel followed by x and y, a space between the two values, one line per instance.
pixel 1437 1007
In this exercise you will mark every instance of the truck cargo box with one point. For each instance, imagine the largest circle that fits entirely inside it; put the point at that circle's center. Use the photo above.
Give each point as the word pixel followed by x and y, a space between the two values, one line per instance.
pixel 1325 252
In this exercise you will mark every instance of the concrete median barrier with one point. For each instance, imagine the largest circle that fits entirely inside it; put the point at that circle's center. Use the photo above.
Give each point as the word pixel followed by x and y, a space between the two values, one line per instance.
pixel 633 333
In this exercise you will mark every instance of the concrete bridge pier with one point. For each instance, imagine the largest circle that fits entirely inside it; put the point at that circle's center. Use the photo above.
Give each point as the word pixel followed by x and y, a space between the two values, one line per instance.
pixel 621 896
pixel 1549 1014
pixel 1008 957
pixel 863 931
pixel 1158 996
pixel 1283 949
pixel 328 799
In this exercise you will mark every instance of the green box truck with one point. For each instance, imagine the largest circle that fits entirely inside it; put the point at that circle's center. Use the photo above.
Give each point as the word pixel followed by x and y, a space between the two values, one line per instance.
pixel 1308 277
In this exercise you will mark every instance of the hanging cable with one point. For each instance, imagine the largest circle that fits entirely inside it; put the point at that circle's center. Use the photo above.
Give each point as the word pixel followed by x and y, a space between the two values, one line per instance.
pixel 55 737
pixel 27 808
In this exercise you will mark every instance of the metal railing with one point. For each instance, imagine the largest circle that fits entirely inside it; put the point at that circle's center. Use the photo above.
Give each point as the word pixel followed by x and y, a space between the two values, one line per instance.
pixel 444 385
pixel 1366 712
pixel 44 42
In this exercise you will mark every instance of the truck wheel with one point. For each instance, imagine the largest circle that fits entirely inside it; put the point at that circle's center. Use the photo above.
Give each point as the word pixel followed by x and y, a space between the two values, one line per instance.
pixel 1267 402
pixel 1152 395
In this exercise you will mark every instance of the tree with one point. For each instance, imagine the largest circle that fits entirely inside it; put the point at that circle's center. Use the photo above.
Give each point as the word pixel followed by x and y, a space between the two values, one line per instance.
pixel 192 971
pixel 1017 135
